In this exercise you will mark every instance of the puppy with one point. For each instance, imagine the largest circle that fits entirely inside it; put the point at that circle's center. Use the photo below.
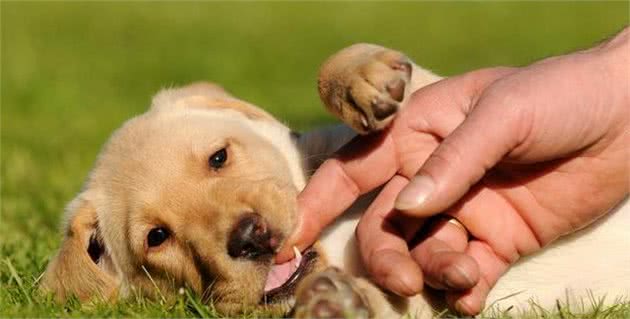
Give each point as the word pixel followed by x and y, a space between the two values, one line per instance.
pixel 200 192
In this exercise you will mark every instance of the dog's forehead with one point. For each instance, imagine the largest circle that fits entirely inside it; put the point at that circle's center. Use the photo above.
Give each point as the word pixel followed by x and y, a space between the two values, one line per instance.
pixel 226 104
pixel 154 133
pixel 160 145
pixel 188 98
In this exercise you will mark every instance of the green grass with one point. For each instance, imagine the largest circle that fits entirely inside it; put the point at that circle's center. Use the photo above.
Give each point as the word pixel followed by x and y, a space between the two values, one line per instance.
pixel 73 72
pixel 591 307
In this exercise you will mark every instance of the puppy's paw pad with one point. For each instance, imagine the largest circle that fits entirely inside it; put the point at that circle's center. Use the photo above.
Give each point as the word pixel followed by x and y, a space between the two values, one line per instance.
pixel 364 84
pixel 378 88
pixel 330 294
pixel 324 308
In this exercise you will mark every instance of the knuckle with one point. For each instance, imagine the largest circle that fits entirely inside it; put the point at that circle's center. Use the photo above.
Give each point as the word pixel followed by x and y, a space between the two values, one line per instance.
pixel 446 157
pixel 346 181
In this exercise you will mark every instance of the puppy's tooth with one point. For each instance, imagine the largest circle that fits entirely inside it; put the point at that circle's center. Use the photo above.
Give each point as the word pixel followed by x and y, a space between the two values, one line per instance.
pixel 297 252
pixel 298 257
pixel 364 121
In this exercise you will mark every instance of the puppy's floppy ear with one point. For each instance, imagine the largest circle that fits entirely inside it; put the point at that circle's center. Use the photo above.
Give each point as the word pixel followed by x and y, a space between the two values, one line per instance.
pixel 82 267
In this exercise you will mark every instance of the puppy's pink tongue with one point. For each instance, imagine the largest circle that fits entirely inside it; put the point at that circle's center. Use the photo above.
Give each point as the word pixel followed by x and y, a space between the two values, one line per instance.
pixel 280 274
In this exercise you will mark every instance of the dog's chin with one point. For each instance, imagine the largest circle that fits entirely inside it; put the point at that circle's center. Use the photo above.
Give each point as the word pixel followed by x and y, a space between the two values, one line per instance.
pixel 283 279
pixel 278 295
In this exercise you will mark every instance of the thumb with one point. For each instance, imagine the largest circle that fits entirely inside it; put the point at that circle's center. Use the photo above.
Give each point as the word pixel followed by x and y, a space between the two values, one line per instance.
pixel 486 135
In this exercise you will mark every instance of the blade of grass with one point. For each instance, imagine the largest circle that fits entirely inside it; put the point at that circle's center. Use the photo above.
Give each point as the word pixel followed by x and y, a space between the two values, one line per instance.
pixel 18 280
pixel 154 284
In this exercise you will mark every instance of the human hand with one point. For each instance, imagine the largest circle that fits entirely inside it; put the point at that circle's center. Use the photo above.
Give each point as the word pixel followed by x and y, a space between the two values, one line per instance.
pixel 519 156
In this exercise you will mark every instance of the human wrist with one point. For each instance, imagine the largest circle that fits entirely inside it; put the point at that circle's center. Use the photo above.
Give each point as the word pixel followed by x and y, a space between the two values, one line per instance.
pixel 619 41
pixel 610 68
pixel 614 55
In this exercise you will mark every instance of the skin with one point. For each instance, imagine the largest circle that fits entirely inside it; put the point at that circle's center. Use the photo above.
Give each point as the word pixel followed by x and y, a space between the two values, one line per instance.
pixel 520 156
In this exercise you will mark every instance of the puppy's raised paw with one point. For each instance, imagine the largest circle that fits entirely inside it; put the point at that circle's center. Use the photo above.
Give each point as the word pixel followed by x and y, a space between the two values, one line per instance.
pixel 330 294
pixel 364 84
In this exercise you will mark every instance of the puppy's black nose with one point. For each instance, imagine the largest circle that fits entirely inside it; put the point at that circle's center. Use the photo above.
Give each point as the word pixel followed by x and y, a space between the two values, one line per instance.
pixel 251 238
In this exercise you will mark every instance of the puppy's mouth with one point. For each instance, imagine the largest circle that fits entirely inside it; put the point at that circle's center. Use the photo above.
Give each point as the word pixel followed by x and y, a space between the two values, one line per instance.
pixel 282 279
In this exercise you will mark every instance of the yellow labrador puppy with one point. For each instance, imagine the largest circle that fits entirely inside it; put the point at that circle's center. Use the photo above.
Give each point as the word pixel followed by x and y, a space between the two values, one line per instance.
pixel 200 192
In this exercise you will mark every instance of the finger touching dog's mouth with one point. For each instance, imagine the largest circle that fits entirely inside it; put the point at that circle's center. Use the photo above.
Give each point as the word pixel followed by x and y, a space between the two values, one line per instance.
pixel 282 279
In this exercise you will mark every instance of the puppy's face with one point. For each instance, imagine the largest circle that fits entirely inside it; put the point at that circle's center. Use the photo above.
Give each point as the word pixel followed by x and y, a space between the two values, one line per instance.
pixel 198 193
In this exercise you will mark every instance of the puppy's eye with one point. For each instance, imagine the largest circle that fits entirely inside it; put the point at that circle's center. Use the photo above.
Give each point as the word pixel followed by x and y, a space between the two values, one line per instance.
pixel 157 236
pixel 218 159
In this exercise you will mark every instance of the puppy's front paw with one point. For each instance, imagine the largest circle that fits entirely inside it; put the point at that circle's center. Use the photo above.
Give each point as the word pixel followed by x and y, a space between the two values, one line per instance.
pixel 329 294
pixel 364 84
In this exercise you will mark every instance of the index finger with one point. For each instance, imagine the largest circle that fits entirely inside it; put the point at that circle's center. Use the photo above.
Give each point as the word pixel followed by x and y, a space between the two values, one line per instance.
pixel 360 166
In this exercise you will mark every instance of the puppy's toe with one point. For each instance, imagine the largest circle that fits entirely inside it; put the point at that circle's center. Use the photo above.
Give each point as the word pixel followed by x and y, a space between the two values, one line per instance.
pixel 364 85
pixel 384 77
pixel 330 294
pixel 365 108
pixel 396 61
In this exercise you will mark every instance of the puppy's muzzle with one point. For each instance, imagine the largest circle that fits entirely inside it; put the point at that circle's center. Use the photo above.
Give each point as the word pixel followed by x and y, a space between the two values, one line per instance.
pixel 252 238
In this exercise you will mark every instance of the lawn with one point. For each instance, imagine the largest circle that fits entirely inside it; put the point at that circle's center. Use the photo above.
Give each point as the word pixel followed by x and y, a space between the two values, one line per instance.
pixel 71 72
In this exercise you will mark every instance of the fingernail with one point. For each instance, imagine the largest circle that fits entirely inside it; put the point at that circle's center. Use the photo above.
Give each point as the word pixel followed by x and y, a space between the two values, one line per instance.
pixel 284 254
pixel 467 306
pixel 416 193
pixel 463 307
pixel 401 286
pixel 456 278
pixel 397 273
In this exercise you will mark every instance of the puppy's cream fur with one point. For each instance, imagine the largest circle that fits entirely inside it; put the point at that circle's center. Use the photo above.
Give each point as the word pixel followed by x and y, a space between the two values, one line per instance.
pixel 153 172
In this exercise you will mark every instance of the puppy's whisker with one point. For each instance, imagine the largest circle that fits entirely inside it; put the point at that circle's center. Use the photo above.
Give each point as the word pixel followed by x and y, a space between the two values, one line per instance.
pixel 314 155
pixel 207 293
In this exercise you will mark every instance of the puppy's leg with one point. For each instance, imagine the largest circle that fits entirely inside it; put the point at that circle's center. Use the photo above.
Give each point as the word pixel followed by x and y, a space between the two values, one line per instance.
pixel 335 294
pixel 364 85
pixel 330 294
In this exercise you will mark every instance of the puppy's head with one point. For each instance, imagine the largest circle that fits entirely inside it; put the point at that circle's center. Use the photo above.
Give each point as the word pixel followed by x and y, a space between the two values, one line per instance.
pixel 199 192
